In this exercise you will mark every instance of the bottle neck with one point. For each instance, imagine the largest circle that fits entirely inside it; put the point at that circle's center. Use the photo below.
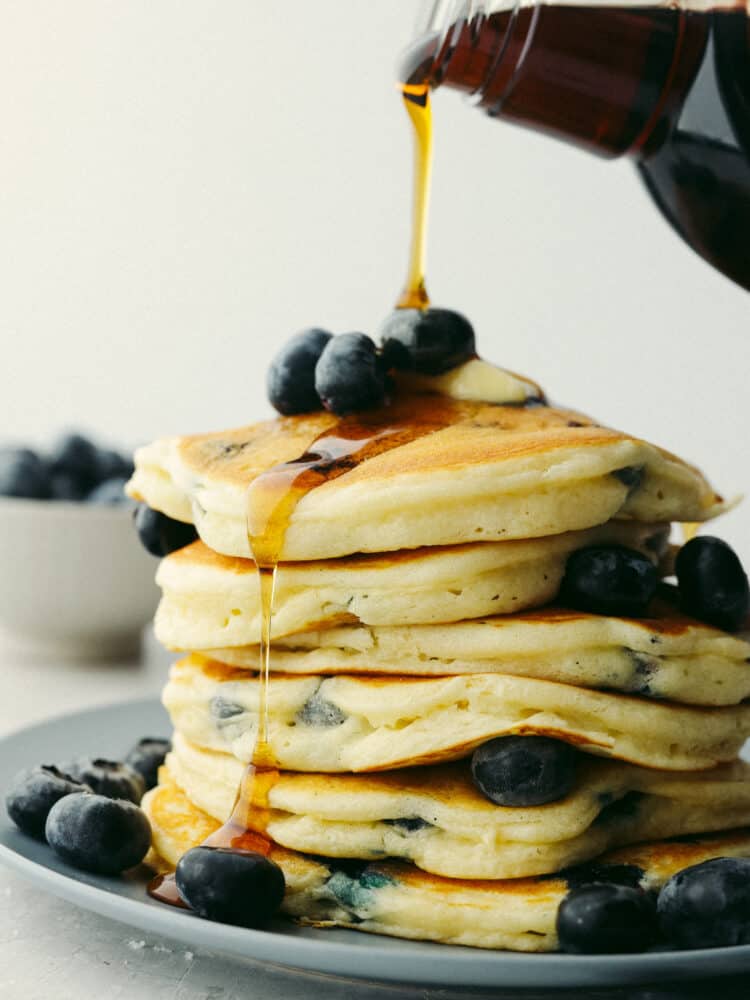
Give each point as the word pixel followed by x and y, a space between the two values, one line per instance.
pixel 607 78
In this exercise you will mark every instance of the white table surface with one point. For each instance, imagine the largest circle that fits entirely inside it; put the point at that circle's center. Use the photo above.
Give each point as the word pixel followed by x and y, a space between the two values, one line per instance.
pixel 51 950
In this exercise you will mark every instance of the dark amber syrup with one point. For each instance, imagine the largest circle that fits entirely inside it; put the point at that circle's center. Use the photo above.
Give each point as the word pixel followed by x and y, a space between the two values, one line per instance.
pixel 164 889
pixel 419 108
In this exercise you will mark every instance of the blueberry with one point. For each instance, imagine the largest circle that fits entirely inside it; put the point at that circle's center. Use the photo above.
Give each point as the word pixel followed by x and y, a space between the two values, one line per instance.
pixel 235 887
pixel 160 534
pixel 290 381
pixel 524 770
pixel 112 465
pixel 222 709
pixel 23 473
pixel 146 758
pixel 713 584
pixel 593 871
pixel 111 491
pixel 33 793
pixel 97 834
pixel 430 341
pixel 707 905
pixel 317 711
pixel 609 580
pixel 108 777
pixel 606 918
pixel 409 824
pixel 77 457
pixel 349 375
pixel 66 486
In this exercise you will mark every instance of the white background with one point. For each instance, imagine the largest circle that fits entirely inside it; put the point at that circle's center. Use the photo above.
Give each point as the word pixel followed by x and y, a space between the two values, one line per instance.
pixel 184 183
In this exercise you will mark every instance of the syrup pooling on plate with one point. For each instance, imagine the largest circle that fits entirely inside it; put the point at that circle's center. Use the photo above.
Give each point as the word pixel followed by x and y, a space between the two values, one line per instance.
pixel 271 500
pixel 418 105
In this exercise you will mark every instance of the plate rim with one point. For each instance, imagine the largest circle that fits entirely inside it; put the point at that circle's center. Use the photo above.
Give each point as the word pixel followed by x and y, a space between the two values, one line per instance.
pixel 450 965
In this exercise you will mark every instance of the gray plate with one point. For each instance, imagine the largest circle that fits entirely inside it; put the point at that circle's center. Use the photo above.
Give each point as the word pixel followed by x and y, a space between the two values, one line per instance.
pixel 110 731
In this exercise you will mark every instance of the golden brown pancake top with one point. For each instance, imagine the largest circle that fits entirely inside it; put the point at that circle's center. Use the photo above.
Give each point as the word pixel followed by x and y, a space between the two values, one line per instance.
pixel 457 434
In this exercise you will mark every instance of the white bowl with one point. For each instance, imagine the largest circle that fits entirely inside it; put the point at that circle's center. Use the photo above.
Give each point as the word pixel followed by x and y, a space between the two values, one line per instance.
pixel 73 577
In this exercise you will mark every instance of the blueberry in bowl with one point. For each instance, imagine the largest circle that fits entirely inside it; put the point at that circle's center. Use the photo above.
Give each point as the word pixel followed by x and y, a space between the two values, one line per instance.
pixel 24 473
pixel 74 462
pixel 111 491
pixel 74 581
pixel 75 469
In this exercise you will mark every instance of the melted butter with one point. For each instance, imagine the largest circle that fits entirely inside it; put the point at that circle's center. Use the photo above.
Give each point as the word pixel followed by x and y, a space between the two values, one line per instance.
pixel 474 381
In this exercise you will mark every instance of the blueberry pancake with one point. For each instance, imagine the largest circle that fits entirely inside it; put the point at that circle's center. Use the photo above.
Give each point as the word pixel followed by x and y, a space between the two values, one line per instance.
pixel 665 656
pixel 481 681
pixel 444 472
pixel 395 898
pixel 437 819
pixel 370 723
pixel 211 600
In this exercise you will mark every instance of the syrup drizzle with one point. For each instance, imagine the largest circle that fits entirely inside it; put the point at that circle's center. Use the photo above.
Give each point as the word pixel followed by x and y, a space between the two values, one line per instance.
pixel 418 106
pixel 271 500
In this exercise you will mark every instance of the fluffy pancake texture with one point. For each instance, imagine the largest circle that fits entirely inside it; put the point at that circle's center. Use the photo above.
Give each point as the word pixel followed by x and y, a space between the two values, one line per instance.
pixel 435 818
pixel 479 472
pixel 345 723
pixel 390 897
pixel 666 656
pixel 404 637
pixel 210 600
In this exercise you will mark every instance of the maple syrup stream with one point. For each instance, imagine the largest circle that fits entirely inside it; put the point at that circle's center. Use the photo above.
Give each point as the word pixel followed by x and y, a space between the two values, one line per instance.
pixel 418 106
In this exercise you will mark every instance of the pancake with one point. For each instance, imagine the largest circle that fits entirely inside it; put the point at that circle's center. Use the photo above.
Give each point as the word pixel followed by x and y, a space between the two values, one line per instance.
pixel 667 657
pixel 211 600
pixel 395 898
pixel 478 472
pixel 435 818
pixel 345 723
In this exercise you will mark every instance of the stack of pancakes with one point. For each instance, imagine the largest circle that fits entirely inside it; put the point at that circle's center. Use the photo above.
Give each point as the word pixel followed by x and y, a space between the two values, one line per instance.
pixel 414 620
